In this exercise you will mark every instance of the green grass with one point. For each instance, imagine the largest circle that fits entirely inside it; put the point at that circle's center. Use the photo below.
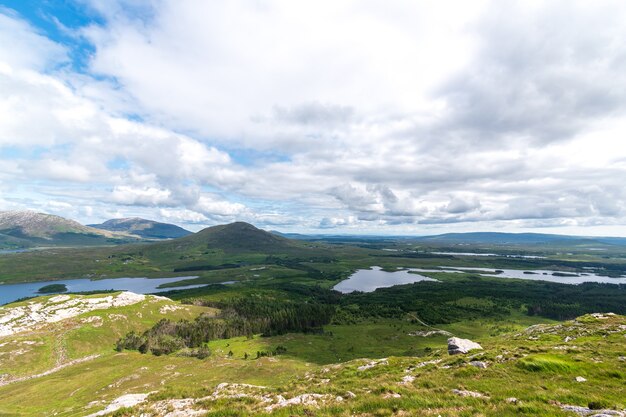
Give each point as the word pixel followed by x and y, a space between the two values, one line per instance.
pixel 548 364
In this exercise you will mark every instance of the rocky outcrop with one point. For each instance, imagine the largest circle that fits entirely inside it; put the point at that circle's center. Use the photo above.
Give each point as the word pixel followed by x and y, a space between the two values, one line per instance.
pixel 586 412
pixel 25 317
pixel 128 400
pixel 457 346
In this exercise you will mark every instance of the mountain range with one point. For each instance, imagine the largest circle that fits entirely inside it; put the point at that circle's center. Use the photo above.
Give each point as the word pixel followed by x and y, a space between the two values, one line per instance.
pixel 25 229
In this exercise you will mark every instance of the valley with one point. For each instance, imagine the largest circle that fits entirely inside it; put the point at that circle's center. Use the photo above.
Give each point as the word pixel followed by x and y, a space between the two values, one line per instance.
pixel 263 332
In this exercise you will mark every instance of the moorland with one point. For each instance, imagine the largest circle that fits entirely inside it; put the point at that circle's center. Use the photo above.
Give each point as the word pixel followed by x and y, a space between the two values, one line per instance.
pixel 263 331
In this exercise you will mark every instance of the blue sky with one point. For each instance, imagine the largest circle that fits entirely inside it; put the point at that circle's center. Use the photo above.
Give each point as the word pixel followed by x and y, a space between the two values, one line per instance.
pixel 404 117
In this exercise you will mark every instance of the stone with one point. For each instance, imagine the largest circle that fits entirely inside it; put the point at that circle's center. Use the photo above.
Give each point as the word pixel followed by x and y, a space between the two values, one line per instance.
pixel 479 364
pixel 580 379
pixel 457 346
pixel 465 393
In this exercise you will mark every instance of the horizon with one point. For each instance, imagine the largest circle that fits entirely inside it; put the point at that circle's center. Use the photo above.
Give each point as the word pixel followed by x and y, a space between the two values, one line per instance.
pixel 339 234
pixel 349 118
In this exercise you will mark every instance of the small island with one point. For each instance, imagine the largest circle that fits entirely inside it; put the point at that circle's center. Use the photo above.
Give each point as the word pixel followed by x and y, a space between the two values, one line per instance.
pixel 52 288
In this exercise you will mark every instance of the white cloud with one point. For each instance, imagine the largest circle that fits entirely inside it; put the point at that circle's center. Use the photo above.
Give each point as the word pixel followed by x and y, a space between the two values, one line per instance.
pixel 357 115
pixel 148 196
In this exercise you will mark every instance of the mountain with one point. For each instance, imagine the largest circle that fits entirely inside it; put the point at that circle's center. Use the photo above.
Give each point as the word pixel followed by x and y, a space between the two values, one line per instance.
pixel 147 229
pixel 21 229
pixel 233 237
pixel 521 239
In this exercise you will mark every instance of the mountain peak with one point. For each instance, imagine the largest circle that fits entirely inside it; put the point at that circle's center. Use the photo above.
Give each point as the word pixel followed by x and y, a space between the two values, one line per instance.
pixel 31 228
pixel 239 236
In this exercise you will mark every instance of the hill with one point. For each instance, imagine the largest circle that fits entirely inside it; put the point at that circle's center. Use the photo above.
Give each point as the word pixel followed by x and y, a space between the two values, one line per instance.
pixel 234 237
pixel 22 229
pixel 147 229
pixel 558 369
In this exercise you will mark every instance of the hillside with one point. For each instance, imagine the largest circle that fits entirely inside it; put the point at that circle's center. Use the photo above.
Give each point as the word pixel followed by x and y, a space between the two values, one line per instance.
pixel 238 237
pixel 215 248
pixel 147 229
pixel 573 368
pixel 20 229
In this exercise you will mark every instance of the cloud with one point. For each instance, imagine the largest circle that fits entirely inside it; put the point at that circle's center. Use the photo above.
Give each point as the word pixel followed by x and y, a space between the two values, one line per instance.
pixel 351 115
pixel 27 48
pixel 148 196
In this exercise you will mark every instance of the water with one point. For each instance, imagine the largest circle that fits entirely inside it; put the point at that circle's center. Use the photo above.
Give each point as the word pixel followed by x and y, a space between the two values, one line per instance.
pixel 7 251
pixel 12 292
pixel 489 254
pixel 537 275
pixel 367 280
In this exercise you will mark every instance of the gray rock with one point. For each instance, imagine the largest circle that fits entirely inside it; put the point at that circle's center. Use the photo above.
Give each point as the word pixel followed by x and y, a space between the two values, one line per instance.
pixel 457 345
pixel 479 364
pixel 465 393
pixel 586 412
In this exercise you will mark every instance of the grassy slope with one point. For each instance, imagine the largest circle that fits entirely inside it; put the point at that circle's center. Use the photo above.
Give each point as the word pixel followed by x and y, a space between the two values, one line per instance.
pixel 536 373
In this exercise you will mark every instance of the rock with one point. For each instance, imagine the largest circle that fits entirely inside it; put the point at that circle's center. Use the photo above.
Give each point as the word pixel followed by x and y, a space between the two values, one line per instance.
pixel 584 411
pixel 512 400
pixel 457 345
pixel 304 399
pixel 479 364
pixel 430 333
pixel 350 394
pixel 423 364
pixel 580 379
pixel 407 379
pixel 25 317
pixel 388 395
pixel 465 393
pixel 372 364
pixel 128 400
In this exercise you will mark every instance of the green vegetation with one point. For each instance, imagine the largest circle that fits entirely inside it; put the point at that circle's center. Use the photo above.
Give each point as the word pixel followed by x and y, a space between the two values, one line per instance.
pixel 241 317
pixel 281 328
pixel 52 288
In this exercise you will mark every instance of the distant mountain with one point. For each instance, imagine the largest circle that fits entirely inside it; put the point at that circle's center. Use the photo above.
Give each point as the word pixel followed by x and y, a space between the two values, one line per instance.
pixel 486 238
pixel 521 239
pixel 22 229
pixel 143 228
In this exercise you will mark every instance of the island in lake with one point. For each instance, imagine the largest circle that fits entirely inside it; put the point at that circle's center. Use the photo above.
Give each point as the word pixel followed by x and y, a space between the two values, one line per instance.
pixel 52 288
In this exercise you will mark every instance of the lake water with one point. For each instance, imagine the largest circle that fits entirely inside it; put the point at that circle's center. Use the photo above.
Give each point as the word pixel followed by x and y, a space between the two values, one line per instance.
pixel 367 280
pixel 12 292
pixel 536 275
pixel 489 254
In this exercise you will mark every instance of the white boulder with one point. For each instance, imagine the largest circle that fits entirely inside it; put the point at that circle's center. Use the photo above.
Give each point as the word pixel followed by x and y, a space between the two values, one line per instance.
pixel 457 345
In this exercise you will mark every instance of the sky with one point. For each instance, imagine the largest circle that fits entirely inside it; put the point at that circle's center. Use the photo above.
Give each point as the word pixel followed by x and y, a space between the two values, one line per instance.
pixel 331 116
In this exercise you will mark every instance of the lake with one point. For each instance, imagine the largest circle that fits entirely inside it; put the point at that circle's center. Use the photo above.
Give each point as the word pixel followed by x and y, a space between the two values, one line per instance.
pixel 534 275
pixel 12 292
pixel 367 280
pixel 489 254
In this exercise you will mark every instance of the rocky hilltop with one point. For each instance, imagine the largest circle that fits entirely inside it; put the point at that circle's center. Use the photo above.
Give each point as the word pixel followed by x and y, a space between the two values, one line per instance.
pixel 28 228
